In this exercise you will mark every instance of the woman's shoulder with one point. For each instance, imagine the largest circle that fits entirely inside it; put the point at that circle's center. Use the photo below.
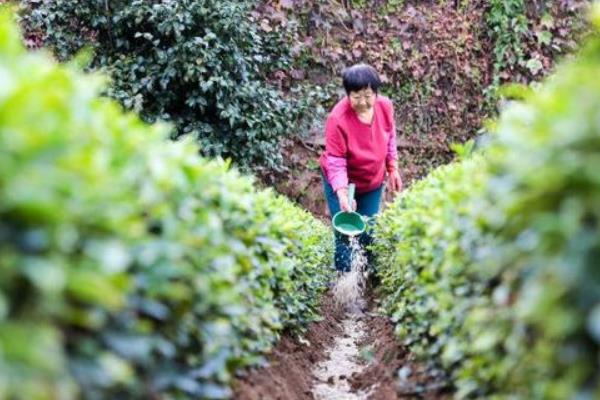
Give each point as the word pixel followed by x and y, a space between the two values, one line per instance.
pixel 340 110
pixel 341 106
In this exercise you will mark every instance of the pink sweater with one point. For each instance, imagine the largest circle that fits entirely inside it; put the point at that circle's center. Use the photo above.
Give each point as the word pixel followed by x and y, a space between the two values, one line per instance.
pixel 358 152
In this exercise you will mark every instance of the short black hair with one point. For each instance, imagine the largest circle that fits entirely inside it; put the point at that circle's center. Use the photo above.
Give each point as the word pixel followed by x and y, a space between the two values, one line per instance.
pixel 359 77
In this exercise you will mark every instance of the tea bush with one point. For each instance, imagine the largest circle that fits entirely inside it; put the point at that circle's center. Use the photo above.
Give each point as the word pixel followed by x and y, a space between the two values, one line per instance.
pixel 129 266
pixel 200 64
pixel 490 265
pixel 423 246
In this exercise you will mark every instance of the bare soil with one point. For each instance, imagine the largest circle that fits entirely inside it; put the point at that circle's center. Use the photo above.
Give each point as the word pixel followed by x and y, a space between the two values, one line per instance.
pixel 387 358
pixel 288 375
pixel 296 367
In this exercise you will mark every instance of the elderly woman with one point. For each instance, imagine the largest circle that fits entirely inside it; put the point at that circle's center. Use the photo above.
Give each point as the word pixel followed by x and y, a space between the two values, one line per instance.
pixel 360 148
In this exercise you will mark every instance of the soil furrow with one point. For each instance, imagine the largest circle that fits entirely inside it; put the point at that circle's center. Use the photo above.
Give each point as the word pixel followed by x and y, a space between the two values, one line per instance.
pixel 344 356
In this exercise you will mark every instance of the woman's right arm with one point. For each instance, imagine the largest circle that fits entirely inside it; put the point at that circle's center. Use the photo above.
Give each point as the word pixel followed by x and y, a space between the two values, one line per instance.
pixel 337 163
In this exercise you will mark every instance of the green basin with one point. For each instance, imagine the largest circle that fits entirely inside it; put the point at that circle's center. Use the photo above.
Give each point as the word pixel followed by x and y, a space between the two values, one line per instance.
pixel 349 223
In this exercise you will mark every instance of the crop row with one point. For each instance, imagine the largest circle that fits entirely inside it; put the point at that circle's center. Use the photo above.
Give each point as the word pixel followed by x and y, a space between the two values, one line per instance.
pixel 130 267
pixel 491 265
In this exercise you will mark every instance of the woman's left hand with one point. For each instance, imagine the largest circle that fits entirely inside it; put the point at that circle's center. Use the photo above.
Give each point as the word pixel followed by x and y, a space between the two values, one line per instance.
pixel 395 181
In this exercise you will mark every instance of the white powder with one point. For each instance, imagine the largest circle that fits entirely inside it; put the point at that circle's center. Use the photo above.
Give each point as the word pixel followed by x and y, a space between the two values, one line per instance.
pixel 349 288
pixel 333 375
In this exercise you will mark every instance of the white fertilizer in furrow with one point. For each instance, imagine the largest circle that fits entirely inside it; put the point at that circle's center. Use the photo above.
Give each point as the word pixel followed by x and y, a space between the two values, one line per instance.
pixel 332 375
pixel 349 288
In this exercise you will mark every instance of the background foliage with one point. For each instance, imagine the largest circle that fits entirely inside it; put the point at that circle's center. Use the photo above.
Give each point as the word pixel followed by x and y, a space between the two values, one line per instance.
pixel 199 64
pixel 490 265
pixel 442 61
pixel 206 66
pixel 130 267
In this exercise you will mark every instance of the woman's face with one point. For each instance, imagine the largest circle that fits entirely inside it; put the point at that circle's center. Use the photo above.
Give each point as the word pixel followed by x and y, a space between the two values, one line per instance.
pixel 362 100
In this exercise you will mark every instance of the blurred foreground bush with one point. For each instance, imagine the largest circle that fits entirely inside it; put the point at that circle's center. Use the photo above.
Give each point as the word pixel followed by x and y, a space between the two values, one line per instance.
pixel 129 266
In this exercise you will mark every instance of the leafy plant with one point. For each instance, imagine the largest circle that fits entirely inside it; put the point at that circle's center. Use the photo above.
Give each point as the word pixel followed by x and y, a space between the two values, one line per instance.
pixel 508 25
pixel 489 265
pixel 527 36
pixel 129 266
pixel 201 65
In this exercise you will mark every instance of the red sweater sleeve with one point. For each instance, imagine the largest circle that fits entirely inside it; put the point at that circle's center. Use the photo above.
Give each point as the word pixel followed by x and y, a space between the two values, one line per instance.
pixel 335 143
pixel 391 159
pixel 336 150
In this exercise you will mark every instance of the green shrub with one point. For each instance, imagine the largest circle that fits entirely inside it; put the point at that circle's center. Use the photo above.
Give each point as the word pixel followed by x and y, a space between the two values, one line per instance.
pixel 129 266
pixel 423 244
pixel 527 38
pixel 490 265
pixel 199 64
pixel 508 26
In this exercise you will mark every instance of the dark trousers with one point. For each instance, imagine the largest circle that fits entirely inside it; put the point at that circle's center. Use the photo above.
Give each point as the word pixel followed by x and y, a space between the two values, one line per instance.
pixel 367 204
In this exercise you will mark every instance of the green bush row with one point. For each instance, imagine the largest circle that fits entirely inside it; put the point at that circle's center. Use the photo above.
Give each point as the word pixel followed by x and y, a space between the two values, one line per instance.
pixel 202 65
pixel 129 266
pixel 491 266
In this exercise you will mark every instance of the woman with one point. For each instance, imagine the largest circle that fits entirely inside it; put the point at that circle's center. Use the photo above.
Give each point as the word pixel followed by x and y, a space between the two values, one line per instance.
pixel 360 148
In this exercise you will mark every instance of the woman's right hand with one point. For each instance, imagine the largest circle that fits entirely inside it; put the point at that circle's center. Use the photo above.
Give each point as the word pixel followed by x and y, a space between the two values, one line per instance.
pixel 345 205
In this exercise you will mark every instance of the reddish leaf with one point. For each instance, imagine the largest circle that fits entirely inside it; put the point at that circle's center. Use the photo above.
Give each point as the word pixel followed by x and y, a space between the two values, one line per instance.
pixel 265 26
pixel 288 4
pixel 297 74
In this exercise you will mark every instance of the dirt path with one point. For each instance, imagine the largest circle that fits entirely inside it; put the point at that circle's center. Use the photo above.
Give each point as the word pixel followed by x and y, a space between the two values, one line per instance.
pixel 344 356
pixel 344 359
